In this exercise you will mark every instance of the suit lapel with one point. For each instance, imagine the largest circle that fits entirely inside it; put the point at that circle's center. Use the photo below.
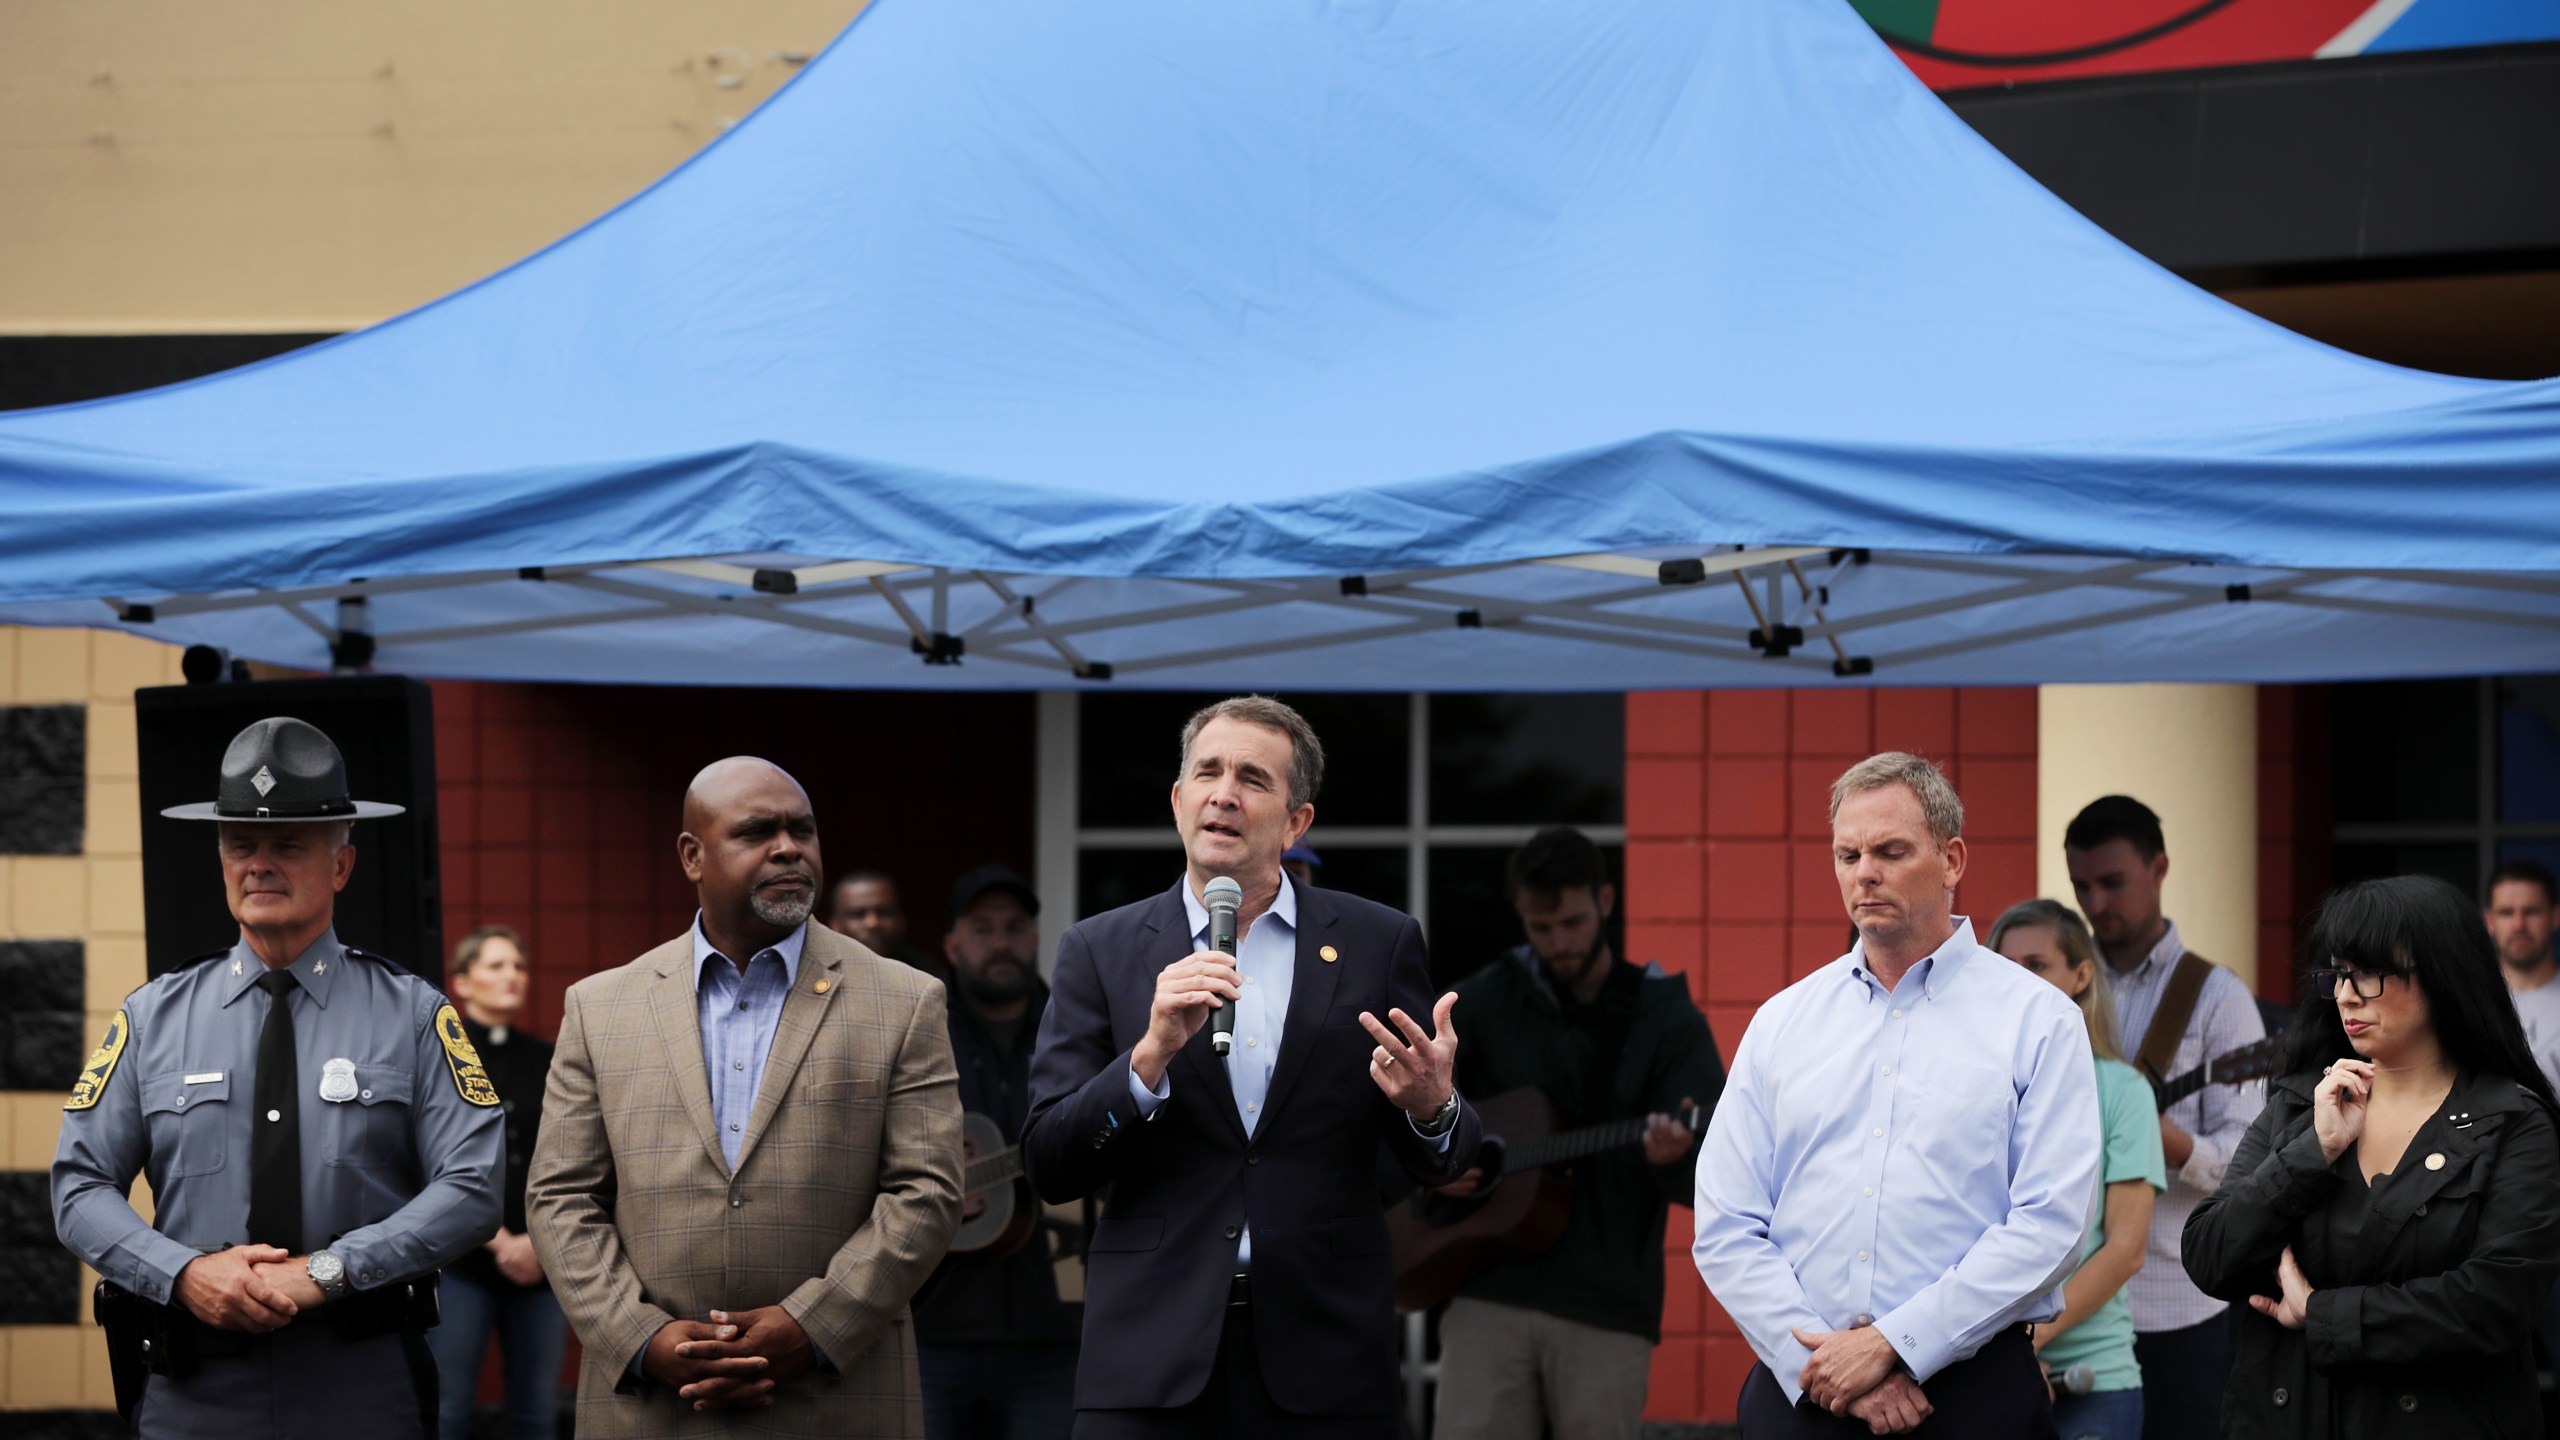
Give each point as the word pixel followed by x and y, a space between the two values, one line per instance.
pixel 1310 994
pixel 672 1002
pixel 802 1012
pixel 1196 1059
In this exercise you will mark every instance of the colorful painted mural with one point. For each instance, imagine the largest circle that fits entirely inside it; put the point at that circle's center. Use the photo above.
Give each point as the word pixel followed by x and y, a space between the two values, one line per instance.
pixel 1955 44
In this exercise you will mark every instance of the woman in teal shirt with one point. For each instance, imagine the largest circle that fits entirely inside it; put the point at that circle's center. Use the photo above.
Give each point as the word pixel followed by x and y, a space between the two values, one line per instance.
pixel 2095 1330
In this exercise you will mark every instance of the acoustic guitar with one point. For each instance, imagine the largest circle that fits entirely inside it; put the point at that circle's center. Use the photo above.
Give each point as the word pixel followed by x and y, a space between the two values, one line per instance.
pixel 2253 1061
pixel 1441 1242
pixel 999 1213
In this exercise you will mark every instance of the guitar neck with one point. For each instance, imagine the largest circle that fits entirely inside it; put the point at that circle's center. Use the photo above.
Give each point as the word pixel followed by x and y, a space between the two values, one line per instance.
pixel 992 1172
pixel 1574 1144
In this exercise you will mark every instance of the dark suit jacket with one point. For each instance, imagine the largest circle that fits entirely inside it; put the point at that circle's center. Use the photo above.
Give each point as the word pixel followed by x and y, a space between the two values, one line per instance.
pixel 1181 1184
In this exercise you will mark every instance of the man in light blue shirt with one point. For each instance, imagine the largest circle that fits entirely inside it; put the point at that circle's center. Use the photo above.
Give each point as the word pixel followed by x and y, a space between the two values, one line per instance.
pixel 1904 1159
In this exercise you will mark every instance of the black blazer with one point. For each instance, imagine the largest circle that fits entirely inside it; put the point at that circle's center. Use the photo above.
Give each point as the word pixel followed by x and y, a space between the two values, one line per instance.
pixel 2423 1326
pixel 1179 1186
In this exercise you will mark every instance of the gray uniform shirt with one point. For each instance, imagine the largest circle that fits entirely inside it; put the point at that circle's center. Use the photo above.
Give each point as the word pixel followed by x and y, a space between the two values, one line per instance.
pixel 399 1177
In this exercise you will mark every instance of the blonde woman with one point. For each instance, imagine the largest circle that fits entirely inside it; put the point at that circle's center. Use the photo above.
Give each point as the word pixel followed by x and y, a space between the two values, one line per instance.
pixel 2095 1329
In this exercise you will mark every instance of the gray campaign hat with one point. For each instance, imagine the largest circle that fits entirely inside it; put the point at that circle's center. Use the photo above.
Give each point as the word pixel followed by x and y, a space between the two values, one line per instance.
pixel 282 771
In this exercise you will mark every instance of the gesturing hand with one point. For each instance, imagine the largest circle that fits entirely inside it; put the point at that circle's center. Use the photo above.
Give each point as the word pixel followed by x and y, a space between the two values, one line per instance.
pixel 1893 1407
pixel 2337 1105
pixel 1416 1070
pixel 1846 1364
pixel 1186 991
pixel 2290 1308
pixel 225 1291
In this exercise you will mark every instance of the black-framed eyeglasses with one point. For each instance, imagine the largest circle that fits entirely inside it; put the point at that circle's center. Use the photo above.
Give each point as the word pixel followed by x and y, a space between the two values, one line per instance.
pixel 2366 983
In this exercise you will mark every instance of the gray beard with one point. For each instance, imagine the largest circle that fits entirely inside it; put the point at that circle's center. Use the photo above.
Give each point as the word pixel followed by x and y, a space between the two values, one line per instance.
pixel 786 914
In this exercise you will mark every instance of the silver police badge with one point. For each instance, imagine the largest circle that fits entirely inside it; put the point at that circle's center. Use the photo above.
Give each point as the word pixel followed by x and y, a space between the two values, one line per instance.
pixel 338 1081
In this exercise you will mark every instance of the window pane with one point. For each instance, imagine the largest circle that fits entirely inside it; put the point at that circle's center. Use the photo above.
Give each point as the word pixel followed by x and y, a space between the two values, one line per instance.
pixel 2457 863
pixel 1472 922
pixel 1109 879
pixel 2407 751
pixel 1131 747
pixel 1528 759
pixel 1383 874
pixel 2529 747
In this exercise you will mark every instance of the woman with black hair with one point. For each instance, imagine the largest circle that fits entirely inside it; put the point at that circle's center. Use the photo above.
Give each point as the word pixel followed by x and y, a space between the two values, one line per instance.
pixel 2393 1216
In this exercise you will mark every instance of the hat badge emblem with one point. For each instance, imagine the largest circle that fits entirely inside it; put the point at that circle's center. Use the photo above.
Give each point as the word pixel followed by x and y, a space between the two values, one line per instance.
pixel 265 780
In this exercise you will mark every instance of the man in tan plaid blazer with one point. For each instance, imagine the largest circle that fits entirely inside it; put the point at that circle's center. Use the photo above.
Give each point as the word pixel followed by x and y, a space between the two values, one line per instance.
pixel 747 1167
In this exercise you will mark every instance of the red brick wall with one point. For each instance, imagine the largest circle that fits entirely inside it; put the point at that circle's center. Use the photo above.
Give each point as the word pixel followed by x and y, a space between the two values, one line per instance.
pixel 1729 883
pixel 2295 817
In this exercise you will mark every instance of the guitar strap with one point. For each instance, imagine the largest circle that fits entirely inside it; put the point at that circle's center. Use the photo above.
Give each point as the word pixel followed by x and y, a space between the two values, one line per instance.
pixel 2169 1022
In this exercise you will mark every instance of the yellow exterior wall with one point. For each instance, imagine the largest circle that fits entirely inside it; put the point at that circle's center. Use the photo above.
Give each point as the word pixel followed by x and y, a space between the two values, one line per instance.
pixel 2190 752
pixel 94 897
pixel 282 165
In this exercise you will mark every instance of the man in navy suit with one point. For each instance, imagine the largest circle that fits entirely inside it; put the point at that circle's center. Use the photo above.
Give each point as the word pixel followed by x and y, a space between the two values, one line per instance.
pixel 1239 1283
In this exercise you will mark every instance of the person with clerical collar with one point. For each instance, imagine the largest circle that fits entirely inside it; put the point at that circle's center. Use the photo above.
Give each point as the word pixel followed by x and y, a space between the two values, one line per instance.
pixel 500 1288
pixel 319 1134
pixel 996 1342
pixel 1564 1338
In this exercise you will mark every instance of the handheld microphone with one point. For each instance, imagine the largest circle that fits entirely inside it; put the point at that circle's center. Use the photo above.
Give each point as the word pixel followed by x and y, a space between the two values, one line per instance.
pixel 1222 896
pixel 2078 1380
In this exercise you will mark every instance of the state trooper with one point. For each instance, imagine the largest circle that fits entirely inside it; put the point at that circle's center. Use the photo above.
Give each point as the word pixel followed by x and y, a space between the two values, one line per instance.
pixel 318 1133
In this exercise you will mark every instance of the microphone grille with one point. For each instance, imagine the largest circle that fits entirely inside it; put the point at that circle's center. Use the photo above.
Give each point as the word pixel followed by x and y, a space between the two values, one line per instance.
pixel 1222 892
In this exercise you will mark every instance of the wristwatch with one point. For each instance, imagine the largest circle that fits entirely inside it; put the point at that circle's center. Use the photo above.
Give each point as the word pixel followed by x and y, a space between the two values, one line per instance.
pixel 328 1272
pixel 1441 1119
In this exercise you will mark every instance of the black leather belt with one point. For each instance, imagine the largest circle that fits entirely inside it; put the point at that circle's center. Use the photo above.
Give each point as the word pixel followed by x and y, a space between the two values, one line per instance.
pixel 1240 1291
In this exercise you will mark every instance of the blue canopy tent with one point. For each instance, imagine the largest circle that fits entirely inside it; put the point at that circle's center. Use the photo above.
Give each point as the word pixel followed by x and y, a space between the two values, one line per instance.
pixel 1320 345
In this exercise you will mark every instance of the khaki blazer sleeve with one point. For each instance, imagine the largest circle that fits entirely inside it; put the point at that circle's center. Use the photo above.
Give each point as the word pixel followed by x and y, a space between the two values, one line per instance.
pixel 868 1283
pixel 569 1207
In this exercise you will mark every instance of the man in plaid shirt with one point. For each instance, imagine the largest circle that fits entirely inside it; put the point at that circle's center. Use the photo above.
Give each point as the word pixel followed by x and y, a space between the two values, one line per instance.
pixel 2182 1338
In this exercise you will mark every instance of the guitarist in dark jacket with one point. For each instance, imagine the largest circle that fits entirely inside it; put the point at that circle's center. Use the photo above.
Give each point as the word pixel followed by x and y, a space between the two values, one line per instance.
pixel 995 1342
pixel 1569 1333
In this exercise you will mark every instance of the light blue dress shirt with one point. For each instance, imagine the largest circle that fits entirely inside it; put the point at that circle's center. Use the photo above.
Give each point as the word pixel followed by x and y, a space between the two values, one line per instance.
pixel 1267 956
pixel 739 1014
pixel 1923 1160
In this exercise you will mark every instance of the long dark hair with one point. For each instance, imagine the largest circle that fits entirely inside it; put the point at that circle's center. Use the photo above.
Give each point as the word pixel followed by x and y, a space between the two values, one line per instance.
pixel 2423 928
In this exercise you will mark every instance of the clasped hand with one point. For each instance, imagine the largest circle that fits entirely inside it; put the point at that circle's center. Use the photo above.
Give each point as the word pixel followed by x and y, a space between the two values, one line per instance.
pixel 1851 1373
pixel 734 1361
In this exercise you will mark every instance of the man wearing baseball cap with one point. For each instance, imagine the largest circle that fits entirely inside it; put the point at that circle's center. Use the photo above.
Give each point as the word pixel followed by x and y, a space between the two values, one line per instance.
pixel 319 1135
pixel 996 1338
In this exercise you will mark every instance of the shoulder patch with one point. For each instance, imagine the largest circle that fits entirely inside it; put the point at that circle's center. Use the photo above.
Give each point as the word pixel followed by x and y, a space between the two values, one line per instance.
pixel 92 1083
pixel 469 1079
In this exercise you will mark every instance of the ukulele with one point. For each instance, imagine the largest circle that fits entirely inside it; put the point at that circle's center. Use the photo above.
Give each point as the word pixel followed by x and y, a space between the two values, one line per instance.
pixel 1521 1206
pixel 2253 1061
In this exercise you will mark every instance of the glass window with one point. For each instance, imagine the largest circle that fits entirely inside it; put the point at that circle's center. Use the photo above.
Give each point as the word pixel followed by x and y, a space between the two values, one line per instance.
pixel 2529 748
pixel 1472 922
pixel 2407 752
pixel 1549 759
pixel 2456 862
pixel 1131 747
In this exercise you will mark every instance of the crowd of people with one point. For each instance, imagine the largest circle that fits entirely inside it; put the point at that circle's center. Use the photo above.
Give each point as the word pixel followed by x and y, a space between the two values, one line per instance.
pixel 790 1173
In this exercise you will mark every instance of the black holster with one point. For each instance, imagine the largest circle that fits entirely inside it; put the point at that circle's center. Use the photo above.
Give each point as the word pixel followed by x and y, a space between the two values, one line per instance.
pixel 144 1339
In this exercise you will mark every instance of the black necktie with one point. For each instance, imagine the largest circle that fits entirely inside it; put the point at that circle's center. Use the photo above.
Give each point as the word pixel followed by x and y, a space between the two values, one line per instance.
pixel 275 1147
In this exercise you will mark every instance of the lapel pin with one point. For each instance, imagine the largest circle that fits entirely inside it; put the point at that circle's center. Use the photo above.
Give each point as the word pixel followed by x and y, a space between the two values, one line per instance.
pixel 1330 954
pixel 823 986
pixel 235 967
pixel 2435 1162
pixel 319 967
